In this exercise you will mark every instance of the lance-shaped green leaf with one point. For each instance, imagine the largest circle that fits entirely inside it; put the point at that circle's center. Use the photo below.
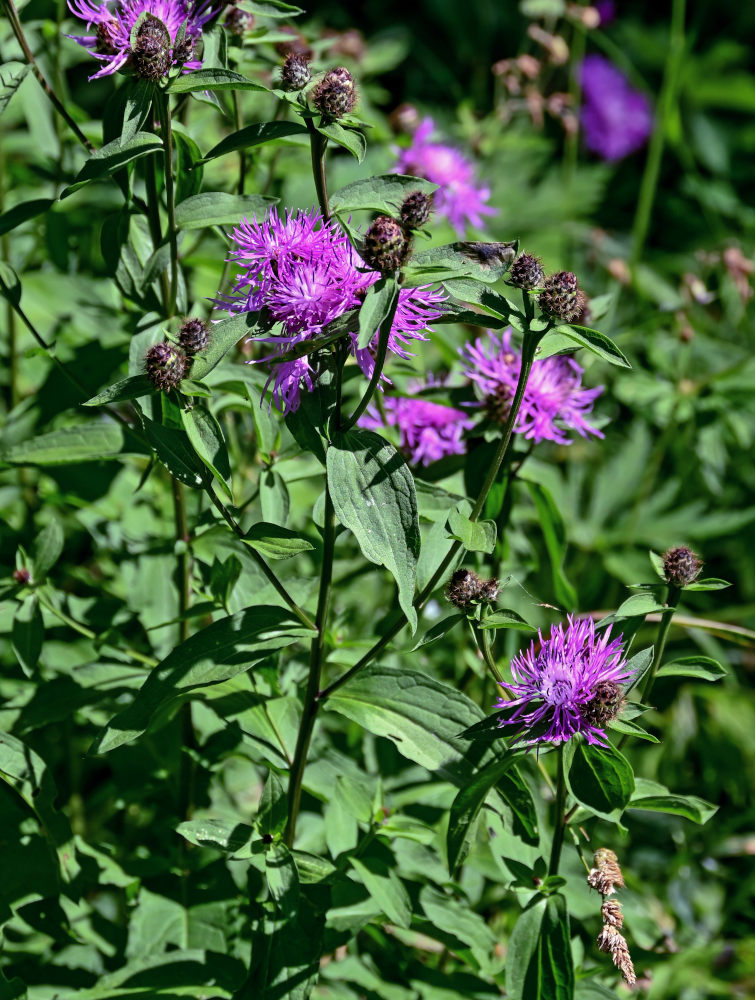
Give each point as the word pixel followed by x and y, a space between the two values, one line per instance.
pixel 475 536
pixel 654 797
pixel 373 496
pixel 23 212
pixel 132 387
pixel 223 337
pixel 701 668
pixel 386 888
pixel 272 8
pixel 274 542
pixel 47 550
pixel 438 630
pixel 377 306
pixel 174 450
pixel 385 193
pixel 137 104
pixel 206 436
pixel 539 963
pixel 27 634
pixel 212 79
pixel 90 442
pixel 255 135
pixel 12 74
pixel 564 337
pixel 599 778
pixel 350 138
pixel 218 208
pixel 113 156
pixel 222 650
pixel 506 618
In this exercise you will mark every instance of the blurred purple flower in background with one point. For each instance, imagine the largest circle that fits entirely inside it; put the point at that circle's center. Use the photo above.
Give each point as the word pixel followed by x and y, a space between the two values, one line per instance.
pixel 606 11
pixel 616 119
pixel 428 431
pixel 115 21
pixel 554 395
pixel 459 197
pixel 304 273
pixel 569 682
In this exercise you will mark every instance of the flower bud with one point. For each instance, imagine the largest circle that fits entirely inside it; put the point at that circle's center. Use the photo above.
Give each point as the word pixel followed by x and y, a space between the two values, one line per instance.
pixel 22 575
pixel 295 72
pixel 165 365
pixel 151 56
pixel 335 95
pixel 237 21
pixel 416 209
pixel 681 566
pixel 604 706
pixel 561 296
pixel 465 589
pixel 526 272
pixel 193 336
pixel 385 245
pixel 183 51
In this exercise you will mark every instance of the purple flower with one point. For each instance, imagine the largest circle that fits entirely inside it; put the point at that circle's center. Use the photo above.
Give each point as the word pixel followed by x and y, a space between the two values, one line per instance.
pixel 114 21
pixel 616 119
pixel 553 400
pixel 606 11
pixel 304 273
pixel 459 197
pixel 569 682
pixel 428 431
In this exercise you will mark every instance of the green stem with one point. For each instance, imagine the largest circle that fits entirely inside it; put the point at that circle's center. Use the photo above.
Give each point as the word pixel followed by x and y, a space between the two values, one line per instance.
pixel 560 819
pixel 186 721
pixel 153 218
pixel 10 316
pixel 318 144
pixel 483 645
pixel 18 31
pixel 668 107
pixel 674 593
pixel 242 152
pixel 166 126
pixel 529 347
pixel 311 698
pixel 148 661
pixel 280 589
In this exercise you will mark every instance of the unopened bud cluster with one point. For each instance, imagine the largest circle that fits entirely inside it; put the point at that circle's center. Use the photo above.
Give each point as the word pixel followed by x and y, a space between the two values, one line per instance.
pixel 681 566
pixel 561 297
pixel 606 877
pixel 386 245
pixel 466 589
pixel 151 52
pixel 605 704
pixel 415 210
pixel 166 364
pixel 335 95
pixel 238 21
pixel 295 74
pixel 527 272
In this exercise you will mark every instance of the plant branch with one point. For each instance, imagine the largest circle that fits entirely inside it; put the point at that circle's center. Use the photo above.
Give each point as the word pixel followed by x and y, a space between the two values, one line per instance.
pixel 377 371
pixel 166 126
pixel 672 600
pixel 560 819
pixel 318 144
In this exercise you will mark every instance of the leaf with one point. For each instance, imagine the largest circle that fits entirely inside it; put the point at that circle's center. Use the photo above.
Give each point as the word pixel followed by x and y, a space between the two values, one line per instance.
pixel 220 651
pixel 377 306
pixel 351 139
pixel 217 208
pixel 386 888
pixel 599 778
pixel 221 835
pixel 212 79
pixel 710 584
pixel 374 497
pixel 422 716
pixel 654 797
pixel 138 101
pixel 484 261
pixel 128 388
pixel 384 193
pixel 636 606
pixel 22 213
pixel 47 550
pixel 475 536
pixel 554 535
pixel 12 74
pixel 592 340
pixel 638 665
pixel 702 668
pixel 223 337
pixel 539 963
pixel 255 135
pixel 206 436
pixel 271 8
pixel 467 804
pixel 506 618
pixel 10 285
pixel 272 813
pixel 438 630
pixel 92 442
pixel 27 634
pixel 114 156
pixel 275 542
pixel 628 728
pixel 174 450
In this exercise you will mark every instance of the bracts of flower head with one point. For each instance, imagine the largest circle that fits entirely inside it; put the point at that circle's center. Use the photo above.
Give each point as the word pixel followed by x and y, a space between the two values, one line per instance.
pixel 167 34
pixel 466 590
pixel 167 364
pixel 681 566
pixel 606 877
pixel 302 273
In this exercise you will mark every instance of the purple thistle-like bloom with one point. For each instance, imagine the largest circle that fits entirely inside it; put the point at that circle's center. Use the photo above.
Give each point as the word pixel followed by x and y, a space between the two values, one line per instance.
pixel 459 197
pixel 559 681
pixel 112 42
pixel 428 431
pixel 304 273
pixel 616 118
pixel 554 395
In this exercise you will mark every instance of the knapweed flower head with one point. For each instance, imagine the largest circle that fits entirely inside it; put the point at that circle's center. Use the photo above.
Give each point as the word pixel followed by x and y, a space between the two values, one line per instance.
pixel 460 197
pixel 165 366
pixel 301 273
pixel 193 336
pixel 336 94
pixel 557 680
pixel 616 119
pixel 385 245
pixel 428 431
pixel 466 590
pixel 561 297
pixel 167 34
pixel 681 566
pixel 554 401
pixel 295 72
pixel 527 272
pixel 415 209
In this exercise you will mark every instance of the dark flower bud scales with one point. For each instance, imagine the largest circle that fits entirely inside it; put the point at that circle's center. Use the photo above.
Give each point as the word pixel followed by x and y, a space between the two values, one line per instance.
pixel 194 336
pixel 295 72
pixel 237 21
pixel 561 296
pixel 527 272
pixel 604 705
pixel 21 575
pixel 465 589
pixel 416 209
pixel 681 566
pixel 165 365
pixel 150 55
pixel 385 245
pixel 335 95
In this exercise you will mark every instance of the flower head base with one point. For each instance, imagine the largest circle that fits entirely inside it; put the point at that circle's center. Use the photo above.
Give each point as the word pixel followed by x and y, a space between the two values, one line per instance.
pixel 554 685
pixel 165 366
pixel 385 245
pixel 681 566
pixel 527 272
pixel 616 119
pixel 466 589
pixel 166 35
pixel 295 72
pixel 415 210
pixel 554 399
pixel 561 296
pixel 193 336
pixel 335 95
pixel 459 197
